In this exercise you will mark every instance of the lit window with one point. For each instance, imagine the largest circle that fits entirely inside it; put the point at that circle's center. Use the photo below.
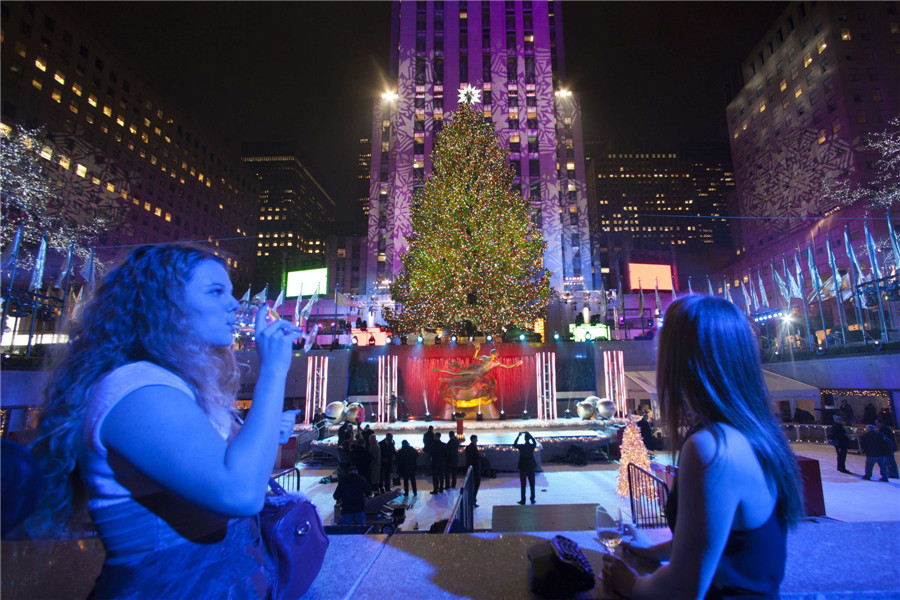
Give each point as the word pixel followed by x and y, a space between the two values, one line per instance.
pixel 762 108
pixel 20 49
pixel 147 206
pixel 132 129
pixel 46 153
pixel 153 159
pixel 81 170
pixel 73 106
pixel 822 137
pixel 157 131
pixel 144 137
pixel 60 77
pixel 64 162
pixel 95 180
pixel 40 63
pixel 92 100
pixel 797 92
pixel 821 47
pixel 110 187
pixel 89 118
pixel 783 85
pixel 36 83
pixel 56 95
pixel 845 35
pixel 107 111
pixel 157 211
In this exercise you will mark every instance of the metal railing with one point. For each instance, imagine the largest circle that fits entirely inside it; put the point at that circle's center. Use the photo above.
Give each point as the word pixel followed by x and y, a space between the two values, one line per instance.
pixel 289 479
pixel 462 518
pixel 648 495
pixel 818 434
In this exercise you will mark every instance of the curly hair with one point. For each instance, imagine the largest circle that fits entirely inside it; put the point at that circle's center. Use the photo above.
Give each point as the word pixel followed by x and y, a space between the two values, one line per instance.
pixel 709 363
pixel 134 315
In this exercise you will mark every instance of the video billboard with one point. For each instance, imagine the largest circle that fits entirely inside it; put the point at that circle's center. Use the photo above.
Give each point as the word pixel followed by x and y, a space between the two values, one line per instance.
pixel 648 275
pixel 304 283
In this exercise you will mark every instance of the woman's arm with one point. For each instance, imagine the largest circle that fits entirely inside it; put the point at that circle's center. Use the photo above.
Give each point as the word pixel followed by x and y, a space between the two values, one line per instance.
pixel 707 502
pixel 168 437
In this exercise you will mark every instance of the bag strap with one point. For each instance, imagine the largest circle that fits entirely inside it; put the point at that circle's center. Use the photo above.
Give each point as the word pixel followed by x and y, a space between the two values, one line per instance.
pixel 276 487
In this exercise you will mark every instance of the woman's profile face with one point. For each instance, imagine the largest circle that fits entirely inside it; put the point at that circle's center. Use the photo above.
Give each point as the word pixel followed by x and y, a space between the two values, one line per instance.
pixel 210 307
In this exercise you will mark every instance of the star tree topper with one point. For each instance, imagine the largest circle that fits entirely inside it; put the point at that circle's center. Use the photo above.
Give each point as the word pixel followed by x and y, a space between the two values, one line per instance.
pixel 469 95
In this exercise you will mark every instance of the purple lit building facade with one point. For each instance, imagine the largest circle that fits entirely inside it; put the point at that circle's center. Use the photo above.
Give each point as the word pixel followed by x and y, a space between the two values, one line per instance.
pixel 824 75
pixel 513 52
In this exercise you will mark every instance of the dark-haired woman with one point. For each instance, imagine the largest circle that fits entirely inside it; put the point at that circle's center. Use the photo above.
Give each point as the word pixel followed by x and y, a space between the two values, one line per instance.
pixel 139 419
pixel 738 486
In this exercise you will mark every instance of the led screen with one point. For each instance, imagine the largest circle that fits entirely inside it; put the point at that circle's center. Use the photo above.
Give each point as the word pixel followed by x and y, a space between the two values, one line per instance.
pixel 648 275
pixel 305 282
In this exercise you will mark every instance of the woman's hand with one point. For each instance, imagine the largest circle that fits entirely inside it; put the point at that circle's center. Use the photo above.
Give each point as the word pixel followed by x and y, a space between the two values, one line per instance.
pixel 274 341
pixel 617 576
pixel 641 546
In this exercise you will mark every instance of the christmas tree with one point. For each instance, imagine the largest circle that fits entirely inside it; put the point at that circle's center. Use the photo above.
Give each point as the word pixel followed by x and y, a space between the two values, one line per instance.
pixel 634 451
pixel 474 262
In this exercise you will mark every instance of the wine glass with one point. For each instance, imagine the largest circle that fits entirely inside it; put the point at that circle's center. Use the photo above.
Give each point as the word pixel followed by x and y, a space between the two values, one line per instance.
pixel 610 535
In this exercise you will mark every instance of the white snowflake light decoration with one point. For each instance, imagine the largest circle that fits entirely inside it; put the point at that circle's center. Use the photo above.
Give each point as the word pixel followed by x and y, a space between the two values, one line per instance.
pixel 469 95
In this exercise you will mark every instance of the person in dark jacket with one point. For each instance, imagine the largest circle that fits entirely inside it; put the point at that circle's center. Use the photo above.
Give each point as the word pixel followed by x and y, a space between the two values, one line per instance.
pixel 351 492
pixel 838 438
pixel 452 462
pixel 362 460
pixel 407 457
pixel 388 452
pixel 345 432
pixel 473 459
pixel 891 462
pixel 345 459
pixel 527 463
pixel 427 439
pixel 876 447
pixel 646 432
pixel 438 463
pixel 847 412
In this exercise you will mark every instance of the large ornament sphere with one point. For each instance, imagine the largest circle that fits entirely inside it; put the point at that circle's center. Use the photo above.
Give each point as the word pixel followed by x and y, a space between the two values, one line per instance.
pixel 606 408
pixel 356 413
pixel 587 408
pixel 334 412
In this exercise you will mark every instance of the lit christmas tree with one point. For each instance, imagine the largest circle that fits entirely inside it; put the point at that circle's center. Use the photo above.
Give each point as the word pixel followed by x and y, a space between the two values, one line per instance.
pixel 474 260
pixel 634 451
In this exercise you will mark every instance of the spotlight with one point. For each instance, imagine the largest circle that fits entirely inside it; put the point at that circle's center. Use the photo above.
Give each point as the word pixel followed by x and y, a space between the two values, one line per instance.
pixel 490 339
pixel 388 340
pixel 556 336
pixel 588 336
pixel 479 417
pixel 437 340
pixel 419 339
pixel 452 339
pixel 355 341
pixel 878 345
pixel 568 414
pixel 428 416
pixel 524 415
pixel 471 339
pixel 820 350
pixel 521 337
pixel 502 415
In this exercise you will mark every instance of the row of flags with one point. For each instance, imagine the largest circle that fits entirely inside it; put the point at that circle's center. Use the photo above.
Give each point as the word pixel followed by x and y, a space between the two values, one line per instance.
pixel 11 257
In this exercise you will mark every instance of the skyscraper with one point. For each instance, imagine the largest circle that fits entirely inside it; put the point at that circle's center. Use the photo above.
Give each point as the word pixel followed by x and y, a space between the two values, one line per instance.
pixel 824 76
pixel 295 213
pixel 511 52
pixel 363 177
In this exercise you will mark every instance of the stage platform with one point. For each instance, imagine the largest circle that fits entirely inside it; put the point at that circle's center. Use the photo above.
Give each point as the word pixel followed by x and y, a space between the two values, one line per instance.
pixel 547 517
pixel 495 438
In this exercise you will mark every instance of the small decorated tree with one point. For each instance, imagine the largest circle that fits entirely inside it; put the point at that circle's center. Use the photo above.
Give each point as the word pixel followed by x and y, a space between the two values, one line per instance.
pixel 634 451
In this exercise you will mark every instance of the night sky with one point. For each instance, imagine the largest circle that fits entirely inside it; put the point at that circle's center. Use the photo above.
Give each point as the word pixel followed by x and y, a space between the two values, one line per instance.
pixel 307 72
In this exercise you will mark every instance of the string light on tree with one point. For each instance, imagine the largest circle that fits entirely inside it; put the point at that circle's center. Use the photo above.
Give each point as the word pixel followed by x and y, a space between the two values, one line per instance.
pixel 634 451
pixel 474 260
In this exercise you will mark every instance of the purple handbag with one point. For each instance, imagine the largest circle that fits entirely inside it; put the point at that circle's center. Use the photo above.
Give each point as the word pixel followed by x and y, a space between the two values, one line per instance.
pixel 295 539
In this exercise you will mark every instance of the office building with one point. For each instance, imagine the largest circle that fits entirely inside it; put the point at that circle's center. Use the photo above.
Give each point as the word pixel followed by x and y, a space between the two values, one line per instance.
pixel 295 213
pixel 363 179
pixel 512 53
pixel 115 146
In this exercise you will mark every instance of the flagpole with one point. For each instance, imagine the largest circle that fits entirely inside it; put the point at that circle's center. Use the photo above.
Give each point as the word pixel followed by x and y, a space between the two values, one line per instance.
pixel 876 275
pixel 809 336
pixel 62 309
pixel 853 287
pixel 779 335
pixel 35 287
pixel 815 281
pixel 12 278
pixel 836 277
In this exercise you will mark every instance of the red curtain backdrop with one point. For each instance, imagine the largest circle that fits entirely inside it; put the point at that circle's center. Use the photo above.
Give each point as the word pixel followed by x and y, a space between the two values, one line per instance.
pixel 516 387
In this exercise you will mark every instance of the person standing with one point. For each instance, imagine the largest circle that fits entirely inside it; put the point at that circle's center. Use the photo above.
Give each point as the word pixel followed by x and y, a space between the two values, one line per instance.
pixel 388 452
pixel 374 451
pixel 362 460
pixel 452 462
pixel 846 412
pixel 876 447
pixel 427 440
pixel 351 493
pixel 527 463
pixel 473 459
pixel 438 451
pixel 838 438
pixel 407 457
pixel 345 432
pixel 891 462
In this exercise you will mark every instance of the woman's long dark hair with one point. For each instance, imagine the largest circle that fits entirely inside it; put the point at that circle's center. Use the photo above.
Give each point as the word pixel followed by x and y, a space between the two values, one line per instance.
pixel 709 362
pixel 134 315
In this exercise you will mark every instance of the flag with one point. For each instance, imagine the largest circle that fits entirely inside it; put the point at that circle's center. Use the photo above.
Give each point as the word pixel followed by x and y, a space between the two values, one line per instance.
pixel 344 300
pixel 64 272
pixel 246 297
pixel 727 293
pixel 672 281
pixel 37 275
pixel 747 306
pixel 602 304
pixel 793 281
pixel 278 301
pixel 656 291
pixel 895 243
pixel 852 256
pixel 763 298
pixel 781 286
pixel 77 305
pixel 87 272
pixel 870 246
pixel 304 314
pixel 12 254
pixel 799 274
pixel 709 286
pixel 752 291
pixel 262 297
pixel 690 289
pixel 297 306
pixel 838 283
pixel 814 277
